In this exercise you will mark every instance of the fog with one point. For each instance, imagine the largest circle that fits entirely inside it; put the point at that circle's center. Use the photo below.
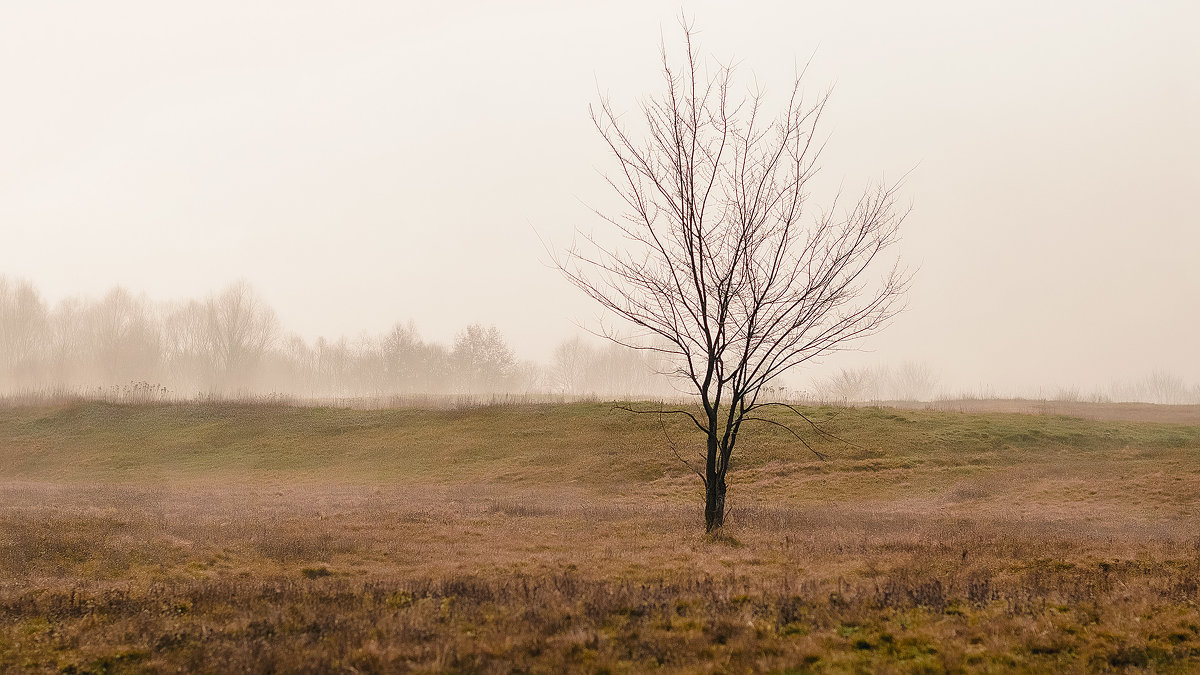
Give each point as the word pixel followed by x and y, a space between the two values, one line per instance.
pixel 343 185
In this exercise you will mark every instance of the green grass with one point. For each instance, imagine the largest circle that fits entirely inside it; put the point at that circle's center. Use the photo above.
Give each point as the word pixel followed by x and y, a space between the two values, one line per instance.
pixel 589 443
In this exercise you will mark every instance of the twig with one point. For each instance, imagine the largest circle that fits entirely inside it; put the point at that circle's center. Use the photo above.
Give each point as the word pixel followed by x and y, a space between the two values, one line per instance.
pixel 821 456
pixel 675 449
pixel 692 417
pixel 814 425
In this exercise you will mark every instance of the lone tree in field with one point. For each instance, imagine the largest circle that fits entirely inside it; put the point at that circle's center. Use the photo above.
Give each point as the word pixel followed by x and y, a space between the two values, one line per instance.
pixel 725 266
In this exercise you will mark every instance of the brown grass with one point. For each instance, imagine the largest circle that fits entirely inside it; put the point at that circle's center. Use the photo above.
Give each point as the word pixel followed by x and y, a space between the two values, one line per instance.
pixel 1108 411
pixel 977 558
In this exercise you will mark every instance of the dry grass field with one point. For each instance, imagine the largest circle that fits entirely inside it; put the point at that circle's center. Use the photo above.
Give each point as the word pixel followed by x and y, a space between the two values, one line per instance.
pixel 229 537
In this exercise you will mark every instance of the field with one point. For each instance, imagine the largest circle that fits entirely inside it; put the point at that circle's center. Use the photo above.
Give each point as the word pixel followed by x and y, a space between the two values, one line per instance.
pixel 220 537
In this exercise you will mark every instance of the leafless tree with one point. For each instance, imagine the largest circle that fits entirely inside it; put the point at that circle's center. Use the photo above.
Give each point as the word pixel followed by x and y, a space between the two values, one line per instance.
pixel 914 381
pixel 241 327
pixel 851 385
pixel 412 365
pixel 482 359
pixel 1165 387
pixel 726 267
pixel 22 331
pixel 66 337
pixel 572 360
pixel 125 337
pixel 219 343
pixel 188 363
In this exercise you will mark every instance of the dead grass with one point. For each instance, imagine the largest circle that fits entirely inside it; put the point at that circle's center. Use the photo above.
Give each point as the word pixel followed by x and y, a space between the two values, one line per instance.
pixel 1092 410
pixel 944 543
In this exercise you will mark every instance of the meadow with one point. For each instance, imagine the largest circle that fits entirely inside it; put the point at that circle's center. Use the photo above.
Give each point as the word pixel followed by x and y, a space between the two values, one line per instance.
pixel 219 537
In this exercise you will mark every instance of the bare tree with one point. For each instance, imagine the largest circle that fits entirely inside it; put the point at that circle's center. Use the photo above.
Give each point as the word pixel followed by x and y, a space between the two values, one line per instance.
pixel 570 366
pixel 483 360
pixel 126 340
pixel 1165 387
pixel 23 321
pixel 219 343
pixel 412 365
pixel 914 381
pixel 726 268
pixel 850 384
pixel 66 336
pixel 241 327
pixel 188 363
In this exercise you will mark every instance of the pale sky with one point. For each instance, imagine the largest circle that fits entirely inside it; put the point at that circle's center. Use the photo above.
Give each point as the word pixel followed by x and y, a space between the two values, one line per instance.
pixel 373 162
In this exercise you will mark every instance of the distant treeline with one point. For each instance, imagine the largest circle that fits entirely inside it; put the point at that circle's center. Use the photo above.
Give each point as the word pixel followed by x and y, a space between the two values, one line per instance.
pixel 231 343
pixel 915 381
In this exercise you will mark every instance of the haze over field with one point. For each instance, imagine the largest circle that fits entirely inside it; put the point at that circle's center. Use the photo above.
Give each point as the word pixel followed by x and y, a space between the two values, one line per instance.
pixel 372 164
pixel 295 373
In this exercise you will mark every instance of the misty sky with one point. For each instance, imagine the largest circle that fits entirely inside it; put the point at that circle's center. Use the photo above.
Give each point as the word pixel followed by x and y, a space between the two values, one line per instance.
pixel 372 162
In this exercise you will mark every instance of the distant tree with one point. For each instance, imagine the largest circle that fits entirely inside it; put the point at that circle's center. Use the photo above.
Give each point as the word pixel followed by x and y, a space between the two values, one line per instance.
pixel 335 363
pixel 292 367
pixel 23 323
pixel 913 381
pixel 240 328
pixel 1158 386
pixel 188 363
pixel 1162 386
pixel 125 341
pixel 483 360
pixel 618 371
pixel 411 365
pixel 529 376
pixel 66 336
pixel 222 340
pixel 724 262
pixel 399 357
pixel 571 366
pixel 850 384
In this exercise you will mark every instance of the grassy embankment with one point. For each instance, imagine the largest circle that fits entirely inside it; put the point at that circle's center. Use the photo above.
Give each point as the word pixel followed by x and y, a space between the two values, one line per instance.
pixel 230 536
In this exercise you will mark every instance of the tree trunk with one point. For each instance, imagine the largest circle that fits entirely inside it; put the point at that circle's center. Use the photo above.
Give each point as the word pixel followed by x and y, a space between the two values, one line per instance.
pixel 714 481
pixel 714 484
pixel 714 503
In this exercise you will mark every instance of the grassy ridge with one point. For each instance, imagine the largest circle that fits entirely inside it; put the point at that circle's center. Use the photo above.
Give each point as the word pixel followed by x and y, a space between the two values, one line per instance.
pixel 589 443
